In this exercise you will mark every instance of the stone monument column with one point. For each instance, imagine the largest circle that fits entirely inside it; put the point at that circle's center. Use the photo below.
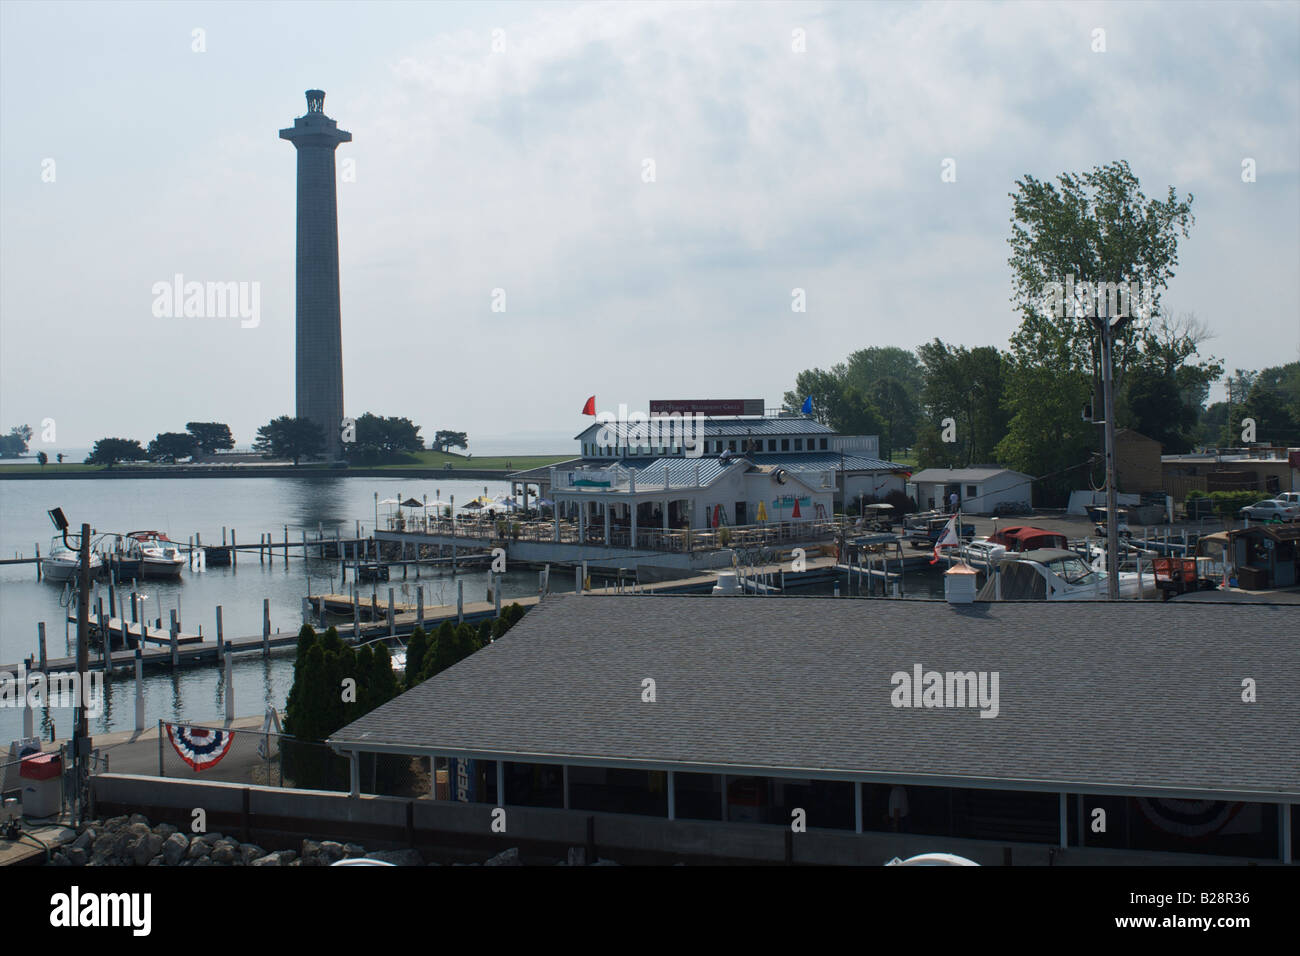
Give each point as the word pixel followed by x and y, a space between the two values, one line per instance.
pixel 319 365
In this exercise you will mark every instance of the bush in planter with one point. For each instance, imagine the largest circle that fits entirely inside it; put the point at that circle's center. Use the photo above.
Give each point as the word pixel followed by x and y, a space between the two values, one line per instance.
pixel 724 537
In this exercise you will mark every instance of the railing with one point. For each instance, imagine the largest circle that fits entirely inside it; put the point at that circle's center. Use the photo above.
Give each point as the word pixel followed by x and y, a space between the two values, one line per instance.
pixel 677 540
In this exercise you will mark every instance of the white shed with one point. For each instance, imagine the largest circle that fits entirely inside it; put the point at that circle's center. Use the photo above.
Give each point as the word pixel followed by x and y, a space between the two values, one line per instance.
pixel 979 490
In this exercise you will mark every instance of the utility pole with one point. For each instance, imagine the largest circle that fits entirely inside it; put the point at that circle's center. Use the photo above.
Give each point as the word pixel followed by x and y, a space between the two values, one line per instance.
pixel 80 734
pixel 1112 527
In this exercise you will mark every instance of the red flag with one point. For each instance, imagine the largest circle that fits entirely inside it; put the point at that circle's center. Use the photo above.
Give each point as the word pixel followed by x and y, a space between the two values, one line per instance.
pixel 590 407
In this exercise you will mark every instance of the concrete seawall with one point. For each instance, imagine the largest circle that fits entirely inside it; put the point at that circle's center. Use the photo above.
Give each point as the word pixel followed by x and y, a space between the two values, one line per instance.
pixel 276 818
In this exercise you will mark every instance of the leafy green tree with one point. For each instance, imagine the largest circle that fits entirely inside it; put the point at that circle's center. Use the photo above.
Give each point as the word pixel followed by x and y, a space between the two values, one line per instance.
pixel 1274 403
pixel 968 386
pixel 109 451
pixel 383 682
pixel 169 446
pixel 416 650
pixel 211 436
pixel 384 439
pixel 446 440
pixel 287 437
pixel 42 458
pixel 891 379
pixel 1095 227
pixel 835 402
pixel 14 444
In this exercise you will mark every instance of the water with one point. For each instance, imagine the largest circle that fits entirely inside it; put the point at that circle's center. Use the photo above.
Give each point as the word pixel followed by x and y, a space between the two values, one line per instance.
pixel 180 507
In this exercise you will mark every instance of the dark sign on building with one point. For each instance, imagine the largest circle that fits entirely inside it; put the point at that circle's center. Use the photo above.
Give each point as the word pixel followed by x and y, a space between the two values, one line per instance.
pixel 708 406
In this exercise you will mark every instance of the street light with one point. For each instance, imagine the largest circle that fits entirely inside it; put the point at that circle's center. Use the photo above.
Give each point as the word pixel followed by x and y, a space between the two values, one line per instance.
pixel 1108 326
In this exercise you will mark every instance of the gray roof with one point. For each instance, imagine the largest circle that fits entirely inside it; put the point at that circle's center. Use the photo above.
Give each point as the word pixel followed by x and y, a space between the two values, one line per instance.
pixel 963 474
pixel 825 461
pixel 1094 696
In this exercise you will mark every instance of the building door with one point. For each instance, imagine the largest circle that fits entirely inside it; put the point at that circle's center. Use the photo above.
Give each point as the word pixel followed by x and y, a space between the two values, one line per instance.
pixel 741 516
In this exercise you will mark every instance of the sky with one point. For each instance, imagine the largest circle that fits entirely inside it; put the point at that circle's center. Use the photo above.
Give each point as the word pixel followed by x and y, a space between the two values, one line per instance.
pixel 646 185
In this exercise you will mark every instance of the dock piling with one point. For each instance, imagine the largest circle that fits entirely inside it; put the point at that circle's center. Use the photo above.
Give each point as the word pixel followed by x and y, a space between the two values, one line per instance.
pixel 286 546
pixel 460 602
pixel 40 643
pixel 419 606
pixel 234 549
pixel 139 689
pixel 392 618
pixel 220 636
pixel 496 592
pixel 230 687
pixel 266 627
pixel 176 647
pixel 306 610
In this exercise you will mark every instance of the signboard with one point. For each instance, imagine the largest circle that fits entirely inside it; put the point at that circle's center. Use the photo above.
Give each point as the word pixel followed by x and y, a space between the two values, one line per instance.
pixel 708 406
pixel 463 780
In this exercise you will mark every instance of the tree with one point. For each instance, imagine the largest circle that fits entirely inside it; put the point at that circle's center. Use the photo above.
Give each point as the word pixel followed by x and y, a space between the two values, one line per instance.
pixel 59 457
pixel 968 386
pixel 1274 403
pixel 835 402
pixel 447 440
pixel 109 451
pixel 14 444
pixel 384 439
pixel 287 437
pixel 42 458
pixel 892 379
pixel 211 436
pixel 169 446
pixel 1097 227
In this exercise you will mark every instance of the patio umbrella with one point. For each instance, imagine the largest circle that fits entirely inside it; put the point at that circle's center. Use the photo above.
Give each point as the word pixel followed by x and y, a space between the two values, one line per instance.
pixel 412 503
pixel 390 501
pixel 544 502
pixel 475 504
pixel 508 503
pixel 483 501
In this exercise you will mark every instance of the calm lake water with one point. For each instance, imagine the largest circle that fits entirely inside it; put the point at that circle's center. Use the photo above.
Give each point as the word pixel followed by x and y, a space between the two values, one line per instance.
pixel 180 508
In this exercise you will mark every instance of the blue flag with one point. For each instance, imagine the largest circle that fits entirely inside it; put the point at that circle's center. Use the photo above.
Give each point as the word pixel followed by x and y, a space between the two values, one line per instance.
pixel 807 405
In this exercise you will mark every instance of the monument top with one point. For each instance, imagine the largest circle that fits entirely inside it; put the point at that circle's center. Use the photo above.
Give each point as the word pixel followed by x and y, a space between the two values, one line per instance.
pixel 315 101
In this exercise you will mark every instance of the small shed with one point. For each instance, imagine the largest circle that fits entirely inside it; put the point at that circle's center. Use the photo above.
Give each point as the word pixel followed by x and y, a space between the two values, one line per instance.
pixel 978 490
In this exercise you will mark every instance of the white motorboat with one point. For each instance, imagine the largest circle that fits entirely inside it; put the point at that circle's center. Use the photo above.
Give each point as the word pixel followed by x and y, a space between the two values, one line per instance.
pixel 159 556
pixel 62 562
pixel 1052 574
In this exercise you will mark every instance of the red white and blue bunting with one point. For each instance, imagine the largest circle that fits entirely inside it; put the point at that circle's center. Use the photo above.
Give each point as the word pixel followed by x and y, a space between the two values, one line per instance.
pixel 1189 818
pixel 200 747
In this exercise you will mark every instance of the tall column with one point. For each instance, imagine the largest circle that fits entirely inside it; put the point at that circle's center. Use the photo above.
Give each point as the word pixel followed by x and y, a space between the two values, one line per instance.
pixel 319 362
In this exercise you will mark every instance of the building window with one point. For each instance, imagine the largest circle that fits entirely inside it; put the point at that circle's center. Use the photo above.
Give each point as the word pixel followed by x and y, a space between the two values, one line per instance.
pixel 732 444
pixel 798 444
pixel 771 444
pixel 823 444
pixel 972 491
pixel 785 444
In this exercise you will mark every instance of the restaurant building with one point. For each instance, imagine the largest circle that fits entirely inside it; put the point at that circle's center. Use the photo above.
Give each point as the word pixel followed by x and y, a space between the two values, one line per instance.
pixel 703 727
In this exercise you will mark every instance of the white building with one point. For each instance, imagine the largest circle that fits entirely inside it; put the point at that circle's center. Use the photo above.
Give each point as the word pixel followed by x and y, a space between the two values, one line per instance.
pixel 979 490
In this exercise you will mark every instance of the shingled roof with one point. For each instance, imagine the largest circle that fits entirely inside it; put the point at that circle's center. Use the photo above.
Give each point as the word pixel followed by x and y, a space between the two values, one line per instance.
pixel 1101 697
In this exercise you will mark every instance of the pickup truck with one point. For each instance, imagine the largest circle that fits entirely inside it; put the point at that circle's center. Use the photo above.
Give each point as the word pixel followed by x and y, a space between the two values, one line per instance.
pixel 928 536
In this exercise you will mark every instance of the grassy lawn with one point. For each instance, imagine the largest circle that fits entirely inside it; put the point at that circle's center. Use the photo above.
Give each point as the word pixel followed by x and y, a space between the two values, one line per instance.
pixel 34 468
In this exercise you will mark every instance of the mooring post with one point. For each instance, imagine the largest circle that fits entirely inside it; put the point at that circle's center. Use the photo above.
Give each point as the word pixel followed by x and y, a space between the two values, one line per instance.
pixel 105 639
pixel 134 599
pixel 266 627
pixel 38 562
pixel 139 689
pixel 392 618
pixel 496 592
pixel 234 549
pixel 577 579
pixel 160 749
pixel 112 598
pixel 286 546
pixel 176 647
pixel 230 686
pixel 220 636
pixel 460 602
pixel 419 605
pixel 306 610
pixel 40 642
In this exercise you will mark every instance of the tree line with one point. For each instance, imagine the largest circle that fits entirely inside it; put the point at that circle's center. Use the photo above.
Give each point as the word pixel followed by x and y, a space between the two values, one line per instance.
pixel 1025 407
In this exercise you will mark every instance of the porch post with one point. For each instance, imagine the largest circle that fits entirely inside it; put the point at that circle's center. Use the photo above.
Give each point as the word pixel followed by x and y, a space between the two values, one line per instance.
pixel 606 505
pixel 354 773
pixel 565 767
pixel 1284 831
pixel 857 806
pixel 672 796
pixel 1065 823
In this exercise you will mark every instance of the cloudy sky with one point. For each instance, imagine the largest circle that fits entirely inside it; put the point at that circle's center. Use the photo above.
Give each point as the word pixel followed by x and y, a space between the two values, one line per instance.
pixel 505 146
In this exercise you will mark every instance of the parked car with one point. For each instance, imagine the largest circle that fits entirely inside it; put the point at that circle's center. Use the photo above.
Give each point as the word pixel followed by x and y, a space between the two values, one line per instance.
pixel 1270 510
pixel 1290 497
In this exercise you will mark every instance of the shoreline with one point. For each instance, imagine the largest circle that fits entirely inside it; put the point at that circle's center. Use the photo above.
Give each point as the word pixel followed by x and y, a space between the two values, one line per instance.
pixel 259 471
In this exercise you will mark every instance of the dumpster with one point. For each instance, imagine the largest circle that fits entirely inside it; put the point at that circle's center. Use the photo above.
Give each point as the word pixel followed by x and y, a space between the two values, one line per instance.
pixel 42 780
